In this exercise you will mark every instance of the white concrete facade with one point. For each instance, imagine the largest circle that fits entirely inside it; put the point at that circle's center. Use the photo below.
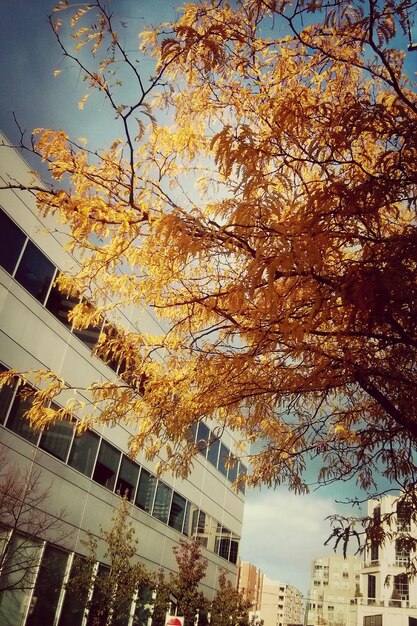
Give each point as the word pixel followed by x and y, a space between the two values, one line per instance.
pixel 334 581
pixel 388 597
pixel 34 335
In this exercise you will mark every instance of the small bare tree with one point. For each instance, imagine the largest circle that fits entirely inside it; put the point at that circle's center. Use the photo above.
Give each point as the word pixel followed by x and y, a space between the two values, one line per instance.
pixel 26 520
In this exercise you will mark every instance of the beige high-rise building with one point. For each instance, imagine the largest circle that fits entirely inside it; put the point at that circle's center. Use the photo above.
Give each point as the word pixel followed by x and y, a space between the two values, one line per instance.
pixel 334 582
pixel 281 604
pixel 250 583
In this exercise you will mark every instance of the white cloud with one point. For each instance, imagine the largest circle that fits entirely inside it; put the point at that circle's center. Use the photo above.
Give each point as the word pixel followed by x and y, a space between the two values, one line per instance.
pixel 283 533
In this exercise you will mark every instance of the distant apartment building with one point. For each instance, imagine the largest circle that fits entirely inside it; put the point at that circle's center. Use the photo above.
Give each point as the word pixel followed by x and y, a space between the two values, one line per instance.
pixel 388 597
pixel 334 582
pixel 281 604
pixel 273 602
pixel 250 583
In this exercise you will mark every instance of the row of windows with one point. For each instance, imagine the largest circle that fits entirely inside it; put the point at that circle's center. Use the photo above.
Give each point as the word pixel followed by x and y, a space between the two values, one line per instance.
pixel 43 599
pixel 96 458
pixel 36 273
pixel 219 455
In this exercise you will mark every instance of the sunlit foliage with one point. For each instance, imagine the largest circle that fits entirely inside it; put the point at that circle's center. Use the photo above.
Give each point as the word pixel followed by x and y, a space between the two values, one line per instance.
pixel 261 198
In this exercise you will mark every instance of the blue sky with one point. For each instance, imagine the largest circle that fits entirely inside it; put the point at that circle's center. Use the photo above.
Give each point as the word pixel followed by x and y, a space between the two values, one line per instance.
pixel 282 532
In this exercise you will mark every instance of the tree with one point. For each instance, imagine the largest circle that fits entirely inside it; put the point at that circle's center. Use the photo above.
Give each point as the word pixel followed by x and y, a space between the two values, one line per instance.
pixel 108 589
pixel 26 520
pixel 268 215
pixel 229 607
pixel 182 585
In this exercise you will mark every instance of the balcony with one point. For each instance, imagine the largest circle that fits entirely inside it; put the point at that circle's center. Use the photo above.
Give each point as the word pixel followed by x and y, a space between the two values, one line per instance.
pixel 402 604
pixel 373 563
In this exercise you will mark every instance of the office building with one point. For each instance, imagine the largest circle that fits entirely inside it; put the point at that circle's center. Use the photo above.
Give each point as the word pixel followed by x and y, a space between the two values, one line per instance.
pixel 85 473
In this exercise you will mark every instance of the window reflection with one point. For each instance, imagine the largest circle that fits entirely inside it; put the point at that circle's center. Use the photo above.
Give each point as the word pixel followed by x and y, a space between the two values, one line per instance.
pixel 177 513
pixel 11 242
pixel 146 491
pixel 162 502
pixel 128 477
pixel 48 586
pixel 17 421
pixel 35 272
pixel 107 465
pixel 83 452
pixel 57 438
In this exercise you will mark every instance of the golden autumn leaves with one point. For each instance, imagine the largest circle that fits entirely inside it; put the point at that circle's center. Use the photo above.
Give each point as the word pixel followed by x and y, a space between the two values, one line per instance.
pixel 269 218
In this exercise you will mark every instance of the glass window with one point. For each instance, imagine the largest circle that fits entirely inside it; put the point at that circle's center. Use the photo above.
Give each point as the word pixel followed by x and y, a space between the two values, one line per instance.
pixel 192 433
pixel 6 395
pixel 187 517
pixel 89 336
pixel 242 473
pixel 222 545
pixel 57 438
pixel 83 452
pixel 176 515
pixel 60 305
pixel 75 599
pixel 18 570
pixel 17 421
pixel 162 502
pixel 99 598
pixel 234 548
pixel 223 458
pixel 48 587
pixel 371 586
pixel 203 434
pixel 11 242
pixel 128 478
pixel 146 491
pixel 107 465
pixel 233 466
pixel 35 272
pixel 213 451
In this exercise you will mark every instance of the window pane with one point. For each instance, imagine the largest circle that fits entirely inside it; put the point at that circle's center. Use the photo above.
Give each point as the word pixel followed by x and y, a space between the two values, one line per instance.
pixel 146 491
pixel 83 452
pixel 75 599
pixel 242 473
pixel 89 336
pixel 18 571
pixel 223 457
pixel 232 471
pixel 202 438
pixel 176 515
pixel 57 439
pixel 128 477
pixel 60 305
pixel 234 550
pixel 107 465
pixel 222 545
pixel 48 587
pixel 11 242
pixel 6 394
pixel 213 452
pixel 16 420
pixel 35 272
pixel 99 598
pixel 162 502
